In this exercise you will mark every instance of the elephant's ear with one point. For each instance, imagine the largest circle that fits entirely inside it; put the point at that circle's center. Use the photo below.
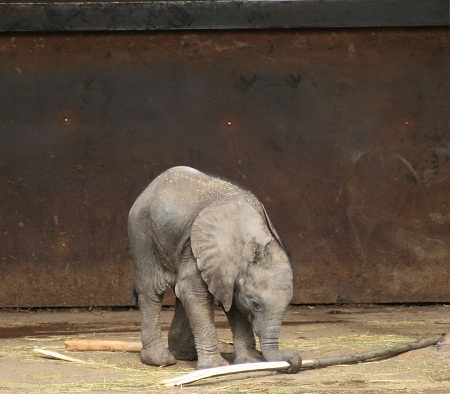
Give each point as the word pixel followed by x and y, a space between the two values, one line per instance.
pixel 224 238
pixel 272 228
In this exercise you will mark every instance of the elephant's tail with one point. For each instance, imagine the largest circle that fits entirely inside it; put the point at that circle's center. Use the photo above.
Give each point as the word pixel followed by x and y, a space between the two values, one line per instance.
pixel 134 298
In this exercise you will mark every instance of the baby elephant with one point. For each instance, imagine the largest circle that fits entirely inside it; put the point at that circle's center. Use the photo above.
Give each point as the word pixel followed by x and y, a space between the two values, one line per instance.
pixel 205 238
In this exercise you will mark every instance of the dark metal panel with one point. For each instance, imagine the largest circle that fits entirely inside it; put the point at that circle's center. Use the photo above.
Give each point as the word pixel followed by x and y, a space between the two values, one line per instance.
pixel 211 14
pixel 342 134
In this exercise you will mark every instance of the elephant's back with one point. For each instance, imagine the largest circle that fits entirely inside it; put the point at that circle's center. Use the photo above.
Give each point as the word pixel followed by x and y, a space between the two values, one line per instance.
pixel 169 205
pixel 182 192
pixel 190 190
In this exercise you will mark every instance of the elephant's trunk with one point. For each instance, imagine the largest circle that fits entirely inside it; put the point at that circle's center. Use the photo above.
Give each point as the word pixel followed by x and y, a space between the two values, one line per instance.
pixel 268 339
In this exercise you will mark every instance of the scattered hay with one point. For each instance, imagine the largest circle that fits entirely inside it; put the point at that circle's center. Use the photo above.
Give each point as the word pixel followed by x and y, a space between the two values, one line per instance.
pixel 122 372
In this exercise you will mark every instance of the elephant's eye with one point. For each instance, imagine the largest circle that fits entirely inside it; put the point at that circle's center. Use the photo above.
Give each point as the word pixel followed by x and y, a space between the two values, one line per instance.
pixel 255 305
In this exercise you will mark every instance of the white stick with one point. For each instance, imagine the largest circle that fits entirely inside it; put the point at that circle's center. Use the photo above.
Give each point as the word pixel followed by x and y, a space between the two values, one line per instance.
pixel 55 355
pixel 229 369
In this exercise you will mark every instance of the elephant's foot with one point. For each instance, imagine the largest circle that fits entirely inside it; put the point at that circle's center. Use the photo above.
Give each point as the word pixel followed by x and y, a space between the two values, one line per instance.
pixel 248 356
pixel 159 358
pixel 211 361
pixel 188 353
pixel 182 345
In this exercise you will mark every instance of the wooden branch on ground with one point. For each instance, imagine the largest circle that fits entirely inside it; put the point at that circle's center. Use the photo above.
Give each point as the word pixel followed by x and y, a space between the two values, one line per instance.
pixel 371 354
pixel 102 345
pixel 306 364
pixel 93 345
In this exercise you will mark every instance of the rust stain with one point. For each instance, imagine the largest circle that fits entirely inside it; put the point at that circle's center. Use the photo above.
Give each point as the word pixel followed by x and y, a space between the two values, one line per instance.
pixel 67 119
pixel 63 243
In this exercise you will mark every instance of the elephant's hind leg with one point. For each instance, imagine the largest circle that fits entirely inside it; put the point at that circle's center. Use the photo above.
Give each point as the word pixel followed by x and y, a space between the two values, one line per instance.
pixel 181 338
pixel 154 350
pixel 150 284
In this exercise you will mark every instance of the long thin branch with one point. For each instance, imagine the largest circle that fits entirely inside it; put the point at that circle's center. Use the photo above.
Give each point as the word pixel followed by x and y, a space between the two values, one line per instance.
pixel 306 364
pixel 371 354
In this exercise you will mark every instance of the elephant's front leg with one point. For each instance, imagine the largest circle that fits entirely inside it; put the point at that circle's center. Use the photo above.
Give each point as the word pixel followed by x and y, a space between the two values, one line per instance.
pixel 243 337
pixel 199 306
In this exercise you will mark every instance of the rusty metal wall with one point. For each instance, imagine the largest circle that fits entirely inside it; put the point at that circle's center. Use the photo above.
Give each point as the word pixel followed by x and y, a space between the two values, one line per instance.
pixel 343 134
pixel 101 15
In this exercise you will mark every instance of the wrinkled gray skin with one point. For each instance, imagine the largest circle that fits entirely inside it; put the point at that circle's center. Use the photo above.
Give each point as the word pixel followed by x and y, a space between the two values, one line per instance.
pixel 207 238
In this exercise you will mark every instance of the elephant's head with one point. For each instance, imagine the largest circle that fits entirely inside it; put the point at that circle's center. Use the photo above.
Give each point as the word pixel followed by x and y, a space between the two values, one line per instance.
pixel 242 260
